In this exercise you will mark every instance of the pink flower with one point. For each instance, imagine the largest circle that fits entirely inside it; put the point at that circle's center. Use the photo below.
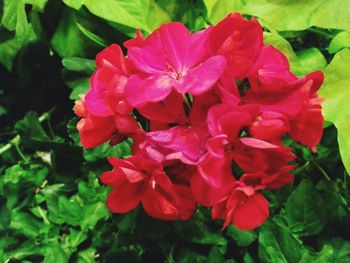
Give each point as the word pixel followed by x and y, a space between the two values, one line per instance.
pixel 171 58
pixel 106 114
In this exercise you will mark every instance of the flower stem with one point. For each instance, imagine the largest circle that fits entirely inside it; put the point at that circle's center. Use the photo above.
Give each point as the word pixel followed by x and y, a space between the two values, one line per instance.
pixel 15 140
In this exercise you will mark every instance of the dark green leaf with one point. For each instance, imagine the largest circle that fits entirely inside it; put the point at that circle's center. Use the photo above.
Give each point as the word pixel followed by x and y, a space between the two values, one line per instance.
pixel 305 211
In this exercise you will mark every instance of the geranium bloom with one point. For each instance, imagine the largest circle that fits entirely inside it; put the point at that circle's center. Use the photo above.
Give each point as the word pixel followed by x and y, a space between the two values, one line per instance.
pixel 140 180
pixel 206 113
pixel 106 112
pixel 171 58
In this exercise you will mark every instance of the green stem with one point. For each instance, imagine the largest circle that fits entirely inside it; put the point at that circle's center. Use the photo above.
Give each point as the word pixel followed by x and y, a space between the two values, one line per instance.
pixel 15 140
pixel 323 172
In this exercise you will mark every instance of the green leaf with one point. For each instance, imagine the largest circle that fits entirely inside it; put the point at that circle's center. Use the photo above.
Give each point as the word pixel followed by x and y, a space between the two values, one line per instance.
pixel 31 128
pixel 93 213
pixel 86 256
pixel 76 4
pixel 82 65
pixel 75 238
pixel 52 194
pixel 312 59
pixel 302 63
pixel 5 215
pixel 325 255
pixel 39 4
pixel 278 244
pixel 139 14
pixel 305 211
pixel 340 41
pixel 341 250
pixel 14 19
pixel 55 253
pixel 196 231
pixel 242 238
pixel 27 225
pixel 218 9
pixel 336 107
pixel 69 211
pixel 73 33
pixel 285 15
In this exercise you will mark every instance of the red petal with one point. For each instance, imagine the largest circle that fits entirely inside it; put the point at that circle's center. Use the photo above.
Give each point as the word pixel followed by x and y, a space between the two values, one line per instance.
pixel 251 213
pixel 124 198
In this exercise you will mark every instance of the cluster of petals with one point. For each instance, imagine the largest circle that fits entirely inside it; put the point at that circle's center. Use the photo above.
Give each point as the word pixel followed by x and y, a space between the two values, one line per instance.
pixel 206 113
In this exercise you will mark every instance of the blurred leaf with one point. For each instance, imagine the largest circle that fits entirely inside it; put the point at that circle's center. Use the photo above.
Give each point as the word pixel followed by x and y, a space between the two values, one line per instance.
pixel 93 213
pixel 5 215
pixel 340 41
pixel 336 107
pixel 312 59
pixel 14 19
pixel 341 250
pixel 139 14
pixel 82 65
pixel 305 211
pixel 31 128
pixel 285 15
pixel 325 255
pixel 72 32
pixel 302 63
pixel 27 225
pixel 242 238
pixel 86 256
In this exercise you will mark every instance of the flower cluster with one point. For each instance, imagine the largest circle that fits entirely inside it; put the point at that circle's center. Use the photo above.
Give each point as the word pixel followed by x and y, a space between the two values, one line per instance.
pixel 206 113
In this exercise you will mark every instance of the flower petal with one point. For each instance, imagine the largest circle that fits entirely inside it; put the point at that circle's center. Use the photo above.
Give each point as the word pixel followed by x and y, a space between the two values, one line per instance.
pixel 124 198
pixel 201 78
pixel 155 88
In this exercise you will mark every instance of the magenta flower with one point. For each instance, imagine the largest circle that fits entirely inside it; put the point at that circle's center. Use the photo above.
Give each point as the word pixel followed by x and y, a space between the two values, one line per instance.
pixel 171 58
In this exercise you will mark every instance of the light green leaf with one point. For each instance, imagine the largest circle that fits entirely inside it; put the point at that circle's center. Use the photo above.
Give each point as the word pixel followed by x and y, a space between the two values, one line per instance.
pixel 93 213
pixel 76 4
pixel 218 9
pixel 304 62
pixel 82 65
pixel 40 4
pixel 312 59
pixel 336 107
pixel 73 34
pixel 287 15
pixel 139 14
pixel 340 41
pixel 305 211
pixel 87 256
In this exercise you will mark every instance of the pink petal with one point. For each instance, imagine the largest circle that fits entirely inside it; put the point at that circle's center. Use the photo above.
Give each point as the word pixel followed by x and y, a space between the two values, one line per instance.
pixel 175 39
pixel 256 143
pixel 155 88
pixel 201 78
pixel 216 145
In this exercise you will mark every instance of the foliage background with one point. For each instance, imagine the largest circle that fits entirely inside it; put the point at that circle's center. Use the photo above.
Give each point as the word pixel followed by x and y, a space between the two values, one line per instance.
pixel 51 201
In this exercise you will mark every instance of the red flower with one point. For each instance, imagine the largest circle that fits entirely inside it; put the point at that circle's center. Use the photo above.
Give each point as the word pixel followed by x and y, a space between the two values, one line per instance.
pixel 206 113
pixel 240 41
pixel 136 180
